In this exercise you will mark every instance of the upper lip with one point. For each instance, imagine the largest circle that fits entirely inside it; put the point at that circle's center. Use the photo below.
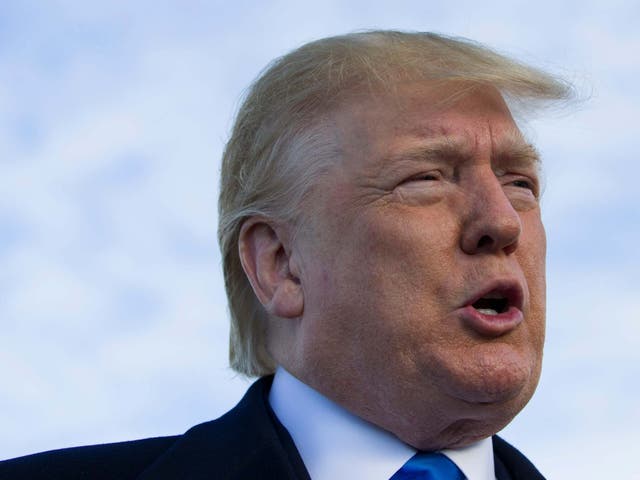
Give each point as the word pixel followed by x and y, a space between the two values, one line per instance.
pixel 511 290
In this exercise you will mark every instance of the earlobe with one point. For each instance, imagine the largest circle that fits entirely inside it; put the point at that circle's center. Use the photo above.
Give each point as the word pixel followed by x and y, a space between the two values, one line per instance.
pixel 266 261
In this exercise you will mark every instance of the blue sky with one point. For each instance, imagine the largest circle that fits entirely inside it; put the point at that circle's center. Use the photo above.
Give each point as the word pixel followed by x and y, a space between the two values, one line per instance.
pixel 113 116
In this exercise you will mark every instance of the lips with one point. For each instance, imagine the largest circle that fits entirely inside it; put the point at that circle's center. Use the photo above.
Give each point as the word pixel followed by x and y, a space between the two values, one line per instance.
pixel 496 309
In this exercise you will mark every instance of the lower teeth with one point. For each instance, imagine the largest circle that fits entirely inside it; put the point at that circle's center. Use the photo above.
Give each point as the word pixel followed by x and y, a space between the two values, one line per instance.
pixel 488 311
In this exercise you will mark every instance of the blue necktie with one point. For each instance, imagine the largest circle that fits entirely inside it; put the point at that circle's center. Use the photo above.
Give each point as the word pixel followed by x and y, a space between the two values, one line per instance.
pixel 429 466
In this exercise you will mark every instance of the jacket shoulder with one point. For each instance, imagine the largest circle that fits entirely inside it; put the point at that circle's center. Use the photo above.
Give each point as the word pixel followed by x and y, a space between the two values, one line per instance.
pixel 246 442
pixel 121 460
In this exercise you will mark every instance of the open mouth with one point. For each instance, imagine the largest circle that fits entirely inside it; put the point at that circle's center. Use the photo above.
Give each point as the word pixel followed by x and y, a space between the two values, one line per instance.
pixel 496 309
pixel 492 304
pixel 498 298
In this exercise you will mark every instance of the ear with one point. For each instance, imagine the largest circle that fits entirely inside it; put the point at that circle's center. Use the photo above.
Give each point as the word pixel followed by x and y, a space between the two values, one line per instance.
pixel 266 260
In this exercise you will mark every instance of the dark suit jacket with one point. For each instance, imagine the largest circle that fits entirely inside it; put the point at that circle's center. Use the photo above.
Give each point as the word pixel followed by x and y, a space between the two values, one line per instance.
pixel 246 443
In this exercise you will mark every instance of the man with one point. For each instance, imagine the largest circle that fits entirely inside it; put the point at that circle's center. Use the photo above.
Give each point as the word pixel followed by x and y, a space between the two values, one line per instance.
pixel 383 255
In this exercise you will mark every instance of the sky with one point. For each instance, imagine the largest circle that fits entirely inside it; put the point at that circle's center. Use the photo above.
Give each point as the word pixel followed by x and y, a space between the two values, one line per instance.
pixel 113 116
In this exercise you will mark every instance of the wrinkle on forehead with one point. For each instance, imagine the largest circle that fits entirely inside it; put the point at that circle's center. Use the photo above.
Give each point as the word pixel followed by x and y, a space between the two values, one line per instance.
pixel 510 146
pixel 411 125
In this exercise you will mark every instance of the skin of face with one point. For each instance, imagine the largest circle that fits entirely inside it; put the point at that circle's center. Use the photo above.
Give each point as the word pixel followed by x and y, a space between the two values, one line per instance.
pixel 430 205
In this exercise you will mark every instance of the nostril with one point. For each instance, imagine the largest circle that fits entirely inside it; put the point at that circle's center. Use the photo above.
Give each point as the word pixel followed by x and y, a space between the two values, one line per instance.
pixel 488 233
pixel 484 241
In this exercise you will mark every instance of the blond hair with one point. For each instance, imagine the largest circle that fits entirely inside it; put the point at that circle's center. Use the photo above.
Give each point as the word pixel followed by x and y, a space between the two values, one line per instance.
pixel 277 146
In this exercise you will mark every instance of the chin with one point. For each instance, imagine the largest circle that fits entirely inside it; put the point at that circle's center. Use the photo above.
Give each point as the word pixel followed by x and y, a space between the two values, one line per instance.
pixel 495 388
pixel 495 374
pixel 474 414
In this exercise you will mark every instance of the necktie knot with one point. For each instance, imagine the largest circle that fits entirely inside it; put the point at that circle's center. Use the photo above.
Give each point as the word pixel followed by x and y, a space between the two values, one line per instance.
pixel 429 466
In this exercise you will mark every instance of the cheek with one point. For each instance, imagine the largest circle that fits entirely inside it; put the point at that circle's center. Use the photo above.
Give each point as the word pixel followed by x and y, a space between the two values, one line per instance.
pixel 532 253
pixel 401 278
pixel 411 244
pixel 381 266
pixel 532 258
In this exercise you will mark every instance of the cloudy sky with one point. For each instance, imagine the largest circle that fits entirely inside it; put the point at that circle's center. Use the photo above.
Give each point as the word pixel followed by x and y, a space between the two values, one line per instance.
pixel 113 115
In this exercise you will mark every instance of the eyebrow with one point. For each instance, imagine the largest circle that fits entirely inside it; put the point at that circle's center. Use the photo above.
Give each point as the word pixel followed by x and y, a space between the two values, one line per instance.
pixel 515 150
pixel 512 149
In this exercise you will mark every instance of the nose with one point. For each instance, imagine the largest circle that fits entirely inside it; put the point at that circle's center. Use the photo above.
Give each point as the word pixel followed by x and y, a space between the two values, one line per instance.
pixel 492 224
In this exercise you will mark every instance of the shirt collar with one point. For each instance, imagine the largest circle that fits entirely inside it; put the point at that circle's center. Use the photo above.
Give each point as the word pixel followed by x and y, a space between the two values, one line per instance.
pixel 335 444
pixel 475 460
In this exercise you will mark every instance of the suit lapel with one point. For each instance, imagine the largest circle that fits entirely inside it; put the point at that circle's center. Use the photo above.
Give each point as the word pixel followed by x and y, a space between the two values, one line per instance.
pixel 510 464
pixel 500 470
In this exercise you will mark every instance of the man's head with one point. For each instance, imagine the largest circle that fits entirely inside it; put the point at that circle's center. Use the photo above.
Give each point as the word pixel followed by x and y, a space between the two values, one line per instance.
pixel 381 233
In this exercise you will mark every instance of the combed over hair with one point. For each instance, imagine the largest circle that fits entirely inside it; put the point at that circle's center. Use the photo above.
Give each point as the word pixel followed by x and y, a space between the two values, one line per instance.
pixel 277 150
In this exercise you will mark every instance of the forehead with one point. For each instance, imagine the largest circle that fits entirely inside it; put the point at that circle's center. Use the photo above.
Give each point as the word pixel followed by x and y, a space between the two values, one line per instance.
pixel 452 118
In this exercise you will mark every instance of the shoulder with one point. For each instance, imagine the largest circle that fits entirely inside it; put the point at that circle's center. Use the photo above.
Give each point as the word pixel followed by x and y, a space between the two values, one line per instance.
pixel 108 461
pixel 246 442
pixel 130 459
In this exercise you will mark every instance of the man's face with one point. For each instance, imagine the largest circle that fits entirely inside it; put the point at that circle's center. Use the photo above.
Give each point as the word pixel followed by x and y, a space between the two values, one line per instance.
pixel 422 267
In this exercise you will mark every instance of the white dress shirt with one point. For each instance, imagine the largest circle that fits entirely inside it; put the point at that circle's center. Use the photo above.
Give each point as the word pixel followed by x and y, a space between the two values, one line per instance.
pixel 335 444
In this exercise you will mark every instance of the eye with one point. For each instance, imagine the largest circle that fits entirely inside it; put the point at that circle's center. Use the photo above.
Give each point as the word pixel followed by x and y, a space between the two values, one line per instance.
pixel 522 183
pixel 425 177
pixel 423 188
